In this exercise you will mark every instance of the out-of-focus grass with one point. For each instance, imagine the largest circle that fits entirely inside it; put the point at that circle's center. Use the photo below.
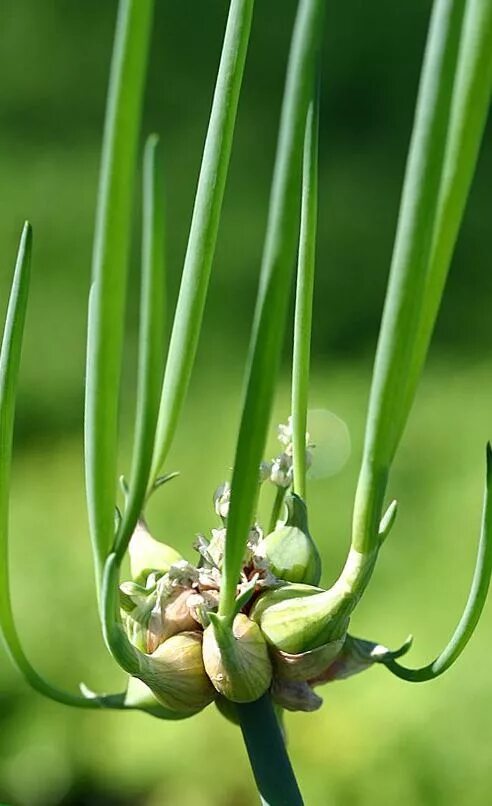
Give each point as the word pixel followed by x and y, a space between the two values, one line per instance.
pixel 376 739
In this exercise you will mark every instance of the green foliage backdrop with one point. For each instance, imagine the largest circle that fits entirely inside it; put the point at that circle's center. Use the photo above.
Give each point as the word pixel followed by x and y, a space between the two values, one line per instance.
pixel 376 740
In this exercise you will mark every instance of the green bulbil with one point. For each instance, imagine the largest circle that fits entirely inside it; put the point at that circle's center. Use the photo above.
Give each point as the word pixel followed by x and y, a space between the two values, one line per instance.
pixel 290 549
pixel 306 665
pixel 237 660
pixel 148 554
pixel 294 590
pixel 139 697
pixel 302 623
pixel 305 623
pixel 176 675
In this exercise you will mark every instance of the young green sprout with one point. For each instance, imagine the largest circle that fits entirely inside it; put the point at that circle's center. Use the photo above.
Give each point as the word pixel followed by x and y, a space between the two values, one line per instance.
pixel 247 626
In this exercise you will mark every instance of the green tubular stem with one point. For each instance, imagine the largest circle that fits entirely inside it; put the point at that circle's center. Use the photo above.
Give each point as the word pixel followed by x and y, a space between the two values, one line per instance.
pixel 151 340
pixel 109 269
pixel 474 606
pixel 304 298
pixel 471 101
pixel 9 371
pixel 277 507
pixel 270 763
pixel 468 56
pixel 273 294
pixel 407 282
pixel 126 655
pixel 204 228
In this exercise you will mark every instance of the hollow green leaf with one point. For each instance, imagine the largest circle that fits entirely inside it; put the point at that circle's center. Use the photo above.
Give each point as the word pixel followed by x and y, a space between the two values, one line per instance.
pixel 278 504
pixel 304 298
pixel 204 226
pixel 273 295
pixel 126 655
pixel 151 340
pixel 407 281
pixel 10 355
pixel 109 270
pixel 469 110
pixel 261 729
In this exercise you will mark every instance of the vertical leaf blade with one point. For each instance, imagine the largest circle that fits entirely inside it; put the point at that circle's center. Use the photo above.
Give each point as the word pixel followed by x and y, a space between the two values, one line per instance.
pixel 304 298
pixel 151 338
pixel 273 295
pixel 9 371
pixel 471 102
pixel 110 258
pixel 204 227
pixel 406 286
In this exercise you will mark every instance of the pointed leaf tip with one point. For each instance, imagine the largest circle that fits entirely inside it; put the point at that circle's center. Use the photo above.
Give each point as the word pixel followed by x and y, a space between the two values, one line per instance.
pixel 153 140
pixel 387 521
pixel 160 480
pixel 407 644
pixel 473 608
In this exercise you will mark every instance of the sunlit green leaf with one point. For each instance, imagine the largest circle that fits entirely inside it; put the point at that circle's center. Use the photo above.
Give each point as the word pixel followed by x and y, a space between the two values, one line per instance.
pixel 10 355
pixel 274 292
pixel 407 281
pixel 304 298
pixel 204 226
pixel 151 340
pixel 109 273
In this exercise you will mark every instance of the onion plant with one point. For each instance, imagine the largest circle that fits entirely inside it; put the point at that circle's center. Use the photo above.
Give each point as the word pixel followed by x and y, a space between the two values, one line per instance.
pixel 247 626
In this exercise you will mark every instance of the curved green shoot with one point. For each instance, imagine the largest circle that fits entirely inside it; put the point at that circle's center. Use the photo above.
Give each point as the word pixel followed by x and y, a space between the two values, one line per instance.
pixel 475 603
pixel 110 258
pixel 304 298
pixel 407 282
pixel 9 371
pixel 151 341
pixel 204 227
pixel 273 295
pixel 124 653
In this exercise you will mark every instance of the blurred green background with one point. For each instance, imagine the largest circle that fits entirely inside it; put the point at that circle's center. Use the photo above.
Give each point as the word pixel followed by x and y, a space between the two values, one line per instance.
pixel 377 740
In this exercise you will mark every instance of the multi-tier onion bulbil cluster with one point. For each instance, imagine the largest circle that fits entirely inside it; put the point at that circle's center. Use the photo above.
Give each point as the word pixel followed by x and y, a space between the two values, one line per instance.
pixel 169 610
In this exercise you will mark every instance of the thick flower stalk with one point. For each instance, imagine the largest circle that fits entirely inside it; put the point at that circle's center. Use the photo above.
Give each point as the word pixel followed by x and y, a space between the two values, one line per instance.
pixel 248 626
